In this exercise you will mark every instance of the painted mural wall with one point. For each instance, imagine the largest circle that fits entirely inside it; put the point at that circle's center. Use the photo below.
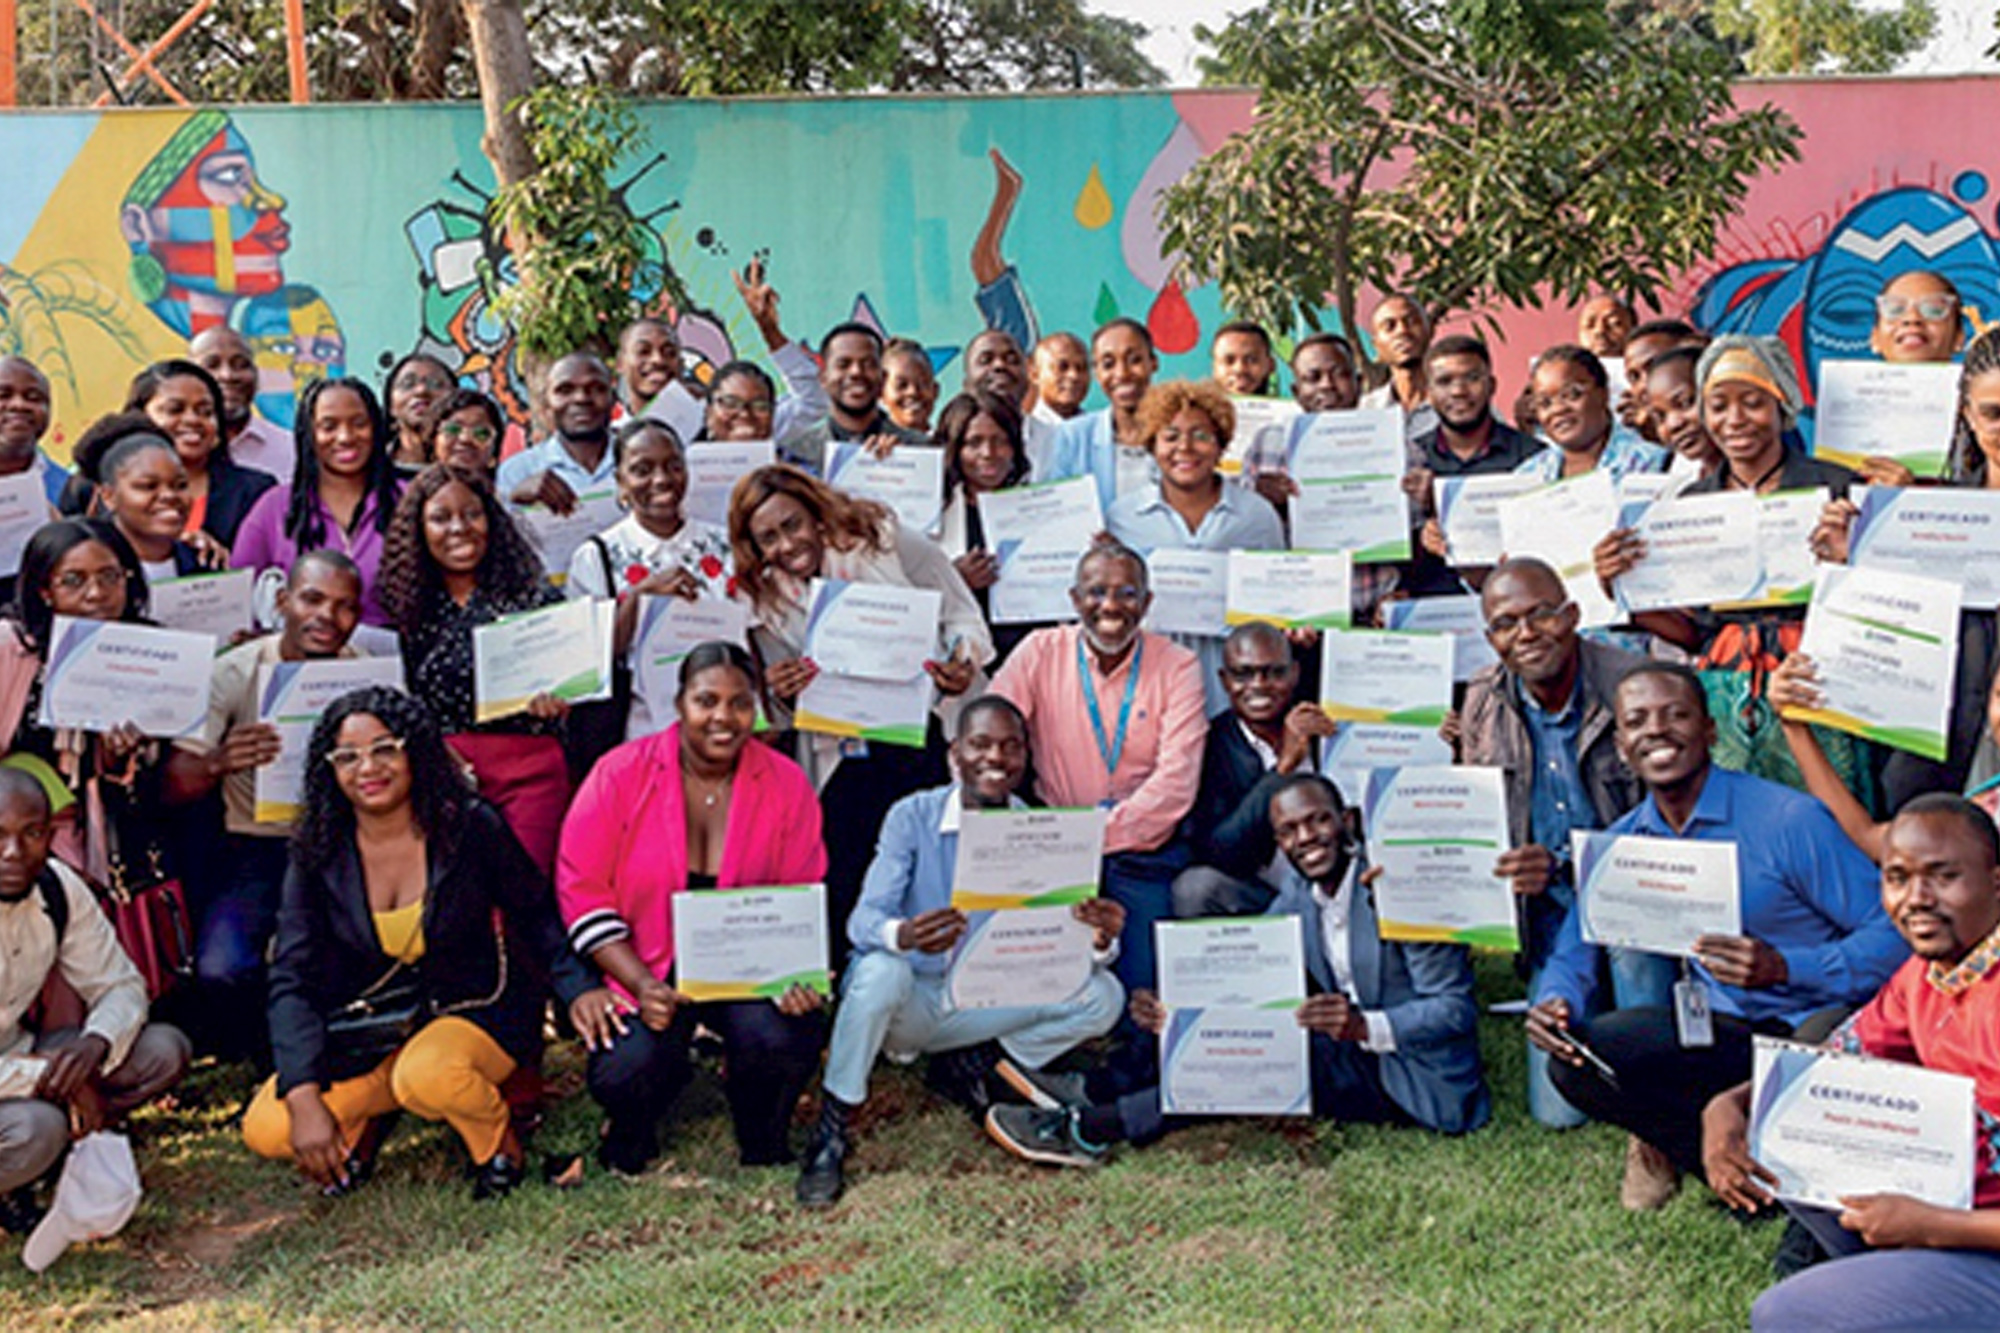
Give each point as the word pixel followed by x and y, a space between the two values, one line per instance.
pixel 338 238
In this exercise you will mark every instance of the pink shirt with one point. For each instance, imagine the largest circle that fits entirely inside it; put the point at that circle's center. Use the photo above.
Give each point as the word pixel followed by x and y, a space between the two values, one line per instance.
pixel 1160 764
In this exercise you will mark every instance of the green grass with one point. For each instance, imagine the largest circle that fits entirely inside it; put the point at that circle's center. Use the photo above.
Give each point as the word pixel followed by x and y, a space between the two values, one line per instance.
pixel 1238 1225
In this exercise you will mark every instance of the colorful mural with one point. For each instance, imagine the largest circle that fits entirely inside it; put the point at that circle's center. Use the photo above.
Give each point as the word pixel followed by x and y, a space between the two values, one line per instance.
pixel 341 237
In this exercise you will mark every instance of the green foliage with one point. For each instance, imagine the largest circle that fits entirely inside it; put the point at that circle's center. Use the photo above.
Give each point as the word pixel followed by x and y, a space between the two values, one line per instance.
pixel 576 244
pixel 1471 152
pixel 1823 36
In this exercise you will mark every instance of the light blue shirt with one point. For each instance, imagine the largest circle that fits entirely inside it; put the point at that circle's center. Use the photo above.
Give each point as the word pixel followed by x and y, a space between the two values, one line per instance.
pixel 550 456
pixel 1241 520
pixel 1625 452
pixel 1085 446
pixel 916 860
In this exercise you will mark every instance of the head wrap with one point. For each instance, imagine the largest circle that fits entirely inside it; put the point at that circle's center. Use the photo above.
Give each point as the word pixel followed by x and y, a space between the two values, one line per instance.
pixel 1741 358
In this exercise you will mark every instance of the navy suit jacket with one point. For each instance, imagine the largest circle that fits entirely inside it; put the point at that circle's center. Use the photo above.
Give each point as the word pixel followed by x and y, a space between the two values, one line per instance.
pixel 1434 1073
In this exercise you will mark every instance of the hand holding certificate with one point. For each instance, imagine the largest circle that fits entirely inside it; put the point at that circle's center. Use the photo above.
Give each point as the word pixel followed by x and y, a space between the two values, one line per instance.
pixel 750 944
pixel 1248 962
pixel 1562 524
pixel 557 536
pixel 1022 956
pixel 1932 530
pixel 1290 589
pixel 1882 409
pixel 217 604
pixel 1190 591
pixel 1027 858
pixel 24 507
pixel 880 631
pixel 1700 550
pixel 563 650
pixel 1371 675
pixel 1886 649
pixel 1829 1125
pixel 1349 470
pixel 910 480
pixel 1357 748
pixel 1232 1044
pixel 1436 835
pixel 1036 534
pixel 1468 512
pixel 102 674
pixel 1658 895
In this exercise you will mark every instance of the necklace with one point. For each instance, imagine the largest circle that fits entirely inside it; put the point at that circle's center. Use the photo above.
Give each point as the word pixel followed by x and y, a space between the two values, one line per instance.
pixel 709 797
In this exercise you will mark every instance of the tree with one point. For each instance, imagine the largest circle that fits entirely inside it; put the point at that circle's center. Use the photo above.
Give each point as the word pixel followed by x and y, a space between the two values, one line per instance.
pixel 1471 152
pixel 1802 36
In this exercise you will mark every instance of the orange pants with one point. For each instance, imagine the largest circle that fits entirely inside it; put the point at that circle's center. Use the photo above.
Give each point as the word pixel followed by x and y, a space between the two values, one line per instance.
pixel 451 1070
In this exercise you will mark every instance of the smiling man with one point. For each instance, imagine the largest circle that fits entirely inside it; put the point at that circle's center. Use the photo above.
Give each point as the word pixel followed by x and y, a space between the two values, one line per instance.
pixel 318 609
pixel 24 419
pixel 852 376
pixel 904 930
pixel 577 458
pixel 1115 719
pixel 1814 933
pixel 253 441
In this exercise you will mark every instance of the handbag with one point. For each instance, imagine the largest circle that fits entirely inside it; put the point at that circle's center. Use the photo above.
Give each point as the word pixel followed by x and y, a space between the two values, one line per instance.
pixel 152 925
pixel 377 1023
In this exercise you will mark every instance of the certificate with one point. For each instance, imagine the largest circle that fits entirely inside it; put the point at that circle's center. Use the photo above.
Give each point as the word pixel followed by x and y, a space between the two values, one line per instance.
pixel 678 410
pixel 1901 411
pixel 1436 834
pixel 910 480
pixel 1562 523
pixel 893 712
pixel 564 650
pixel 1027 858
pixel 1700 550
pixel 1828 1124
pixel 1190 591
pixel 102 673
pixel 1657 895
pixel 1035 955
pixel 1290 589
pixel 217 604
pixel 714 467
pixel 1230 1061
pixel 1886 649
pixel 750 944
pixel 1037 534
pixel 669 629
pixel 24 507
pixel 1372 675
pixel 883 631
pixel 1461 617
pixel 1785 520
pixel 1468 511
pixel 1932 531
pixel 1247 962
pixel 557 536
pixel 1261 424
pixel 290 697
pixel 1349 471
pixel 1358 748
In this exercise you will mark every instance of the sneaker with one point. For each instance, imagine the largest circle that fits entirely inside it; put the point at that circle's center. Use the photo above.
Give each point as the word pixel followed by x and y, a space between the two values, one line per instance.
pixel 1036 1135
pixel 823 1178
pixel 1050 1091
pixel 497 1178
pixel 959 1076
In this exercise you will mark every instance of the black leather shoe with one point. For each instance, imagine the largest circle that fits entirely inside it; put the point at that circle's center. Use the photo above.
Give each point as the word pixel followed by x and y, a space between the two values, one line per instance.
pixel 496 1179
pixel 20 1214
pixel 960 1078
pixel 822 1179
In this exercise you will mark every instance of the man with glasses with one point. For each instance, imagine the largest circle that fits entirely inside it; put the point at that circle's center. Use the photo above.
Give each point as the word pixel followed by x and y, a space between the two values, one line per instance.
pixel 1264 738
pixel 1115 719
pixel 1542 715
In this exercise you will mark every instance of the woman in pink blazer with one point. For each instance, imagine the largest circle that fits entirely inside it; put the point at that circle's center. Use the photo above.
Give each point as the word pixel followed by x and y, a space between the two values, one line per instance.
pixel 701 805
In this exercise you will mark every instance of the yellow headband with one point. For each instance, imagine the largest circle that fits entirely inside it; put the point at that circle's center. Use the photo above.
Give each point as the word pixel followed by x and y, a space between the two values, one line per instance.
pixel 1740 365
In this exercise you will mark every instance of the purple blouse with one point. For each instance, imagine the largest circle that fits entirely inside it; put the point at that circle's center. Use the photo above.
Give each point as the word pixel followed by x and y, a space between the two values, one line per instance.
pixel 261 543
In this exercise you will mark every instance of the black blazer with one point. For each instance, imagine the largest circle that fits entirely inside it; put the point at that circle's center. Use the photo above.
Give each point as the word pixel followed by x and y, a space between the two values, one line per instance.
pixel 232 489
pixel 1229 824
pixel 326 952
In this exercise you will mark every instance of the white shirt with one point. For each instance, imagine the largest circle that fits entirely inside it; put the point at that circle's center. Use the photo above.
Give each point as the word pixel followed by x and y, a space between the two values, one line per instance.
pixel 1381 1038
pixel 265 447
pixel 92 961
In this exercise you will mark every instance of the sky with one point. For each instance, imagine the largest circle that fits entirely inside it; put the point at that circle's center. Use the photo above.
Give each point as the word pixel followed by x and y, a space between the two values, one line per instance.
pixel 1965 30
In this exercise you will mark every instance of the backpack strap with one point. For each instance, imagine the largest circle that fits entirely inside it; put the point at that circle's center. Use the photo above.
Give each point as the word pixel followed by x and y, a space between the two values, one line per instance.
pixel 54 901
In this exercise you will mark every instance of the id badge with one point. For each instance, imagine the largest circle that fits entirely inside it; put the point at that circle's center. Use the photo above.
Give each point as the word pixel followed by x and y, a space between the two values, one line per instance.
pixel 1693 1020
pixel 853 747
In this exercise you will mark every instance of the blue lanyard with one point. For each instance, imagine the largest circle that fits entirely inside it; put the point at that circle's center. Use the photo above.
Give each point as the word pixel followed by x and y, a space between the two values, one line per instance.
pixel 1109 750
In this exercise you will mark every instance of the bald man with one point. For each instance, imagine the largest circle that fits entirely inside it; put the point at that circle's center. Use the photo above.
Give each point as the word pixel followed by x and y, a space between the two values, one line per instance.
pixel 253 441
pixel 577 457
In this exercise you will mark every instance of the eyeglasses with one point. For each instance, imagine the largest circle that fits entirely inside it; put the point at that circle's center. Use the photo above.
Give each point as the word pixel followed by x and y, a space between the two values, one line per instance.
pixel 1174 435
pixel 1567 396
pixel 1125 594
pixel 1255 671
pixel 104 580
pixel 385 750
pixel 1889 309
pixel 456 430
pixel 729 402
pixel 1543 618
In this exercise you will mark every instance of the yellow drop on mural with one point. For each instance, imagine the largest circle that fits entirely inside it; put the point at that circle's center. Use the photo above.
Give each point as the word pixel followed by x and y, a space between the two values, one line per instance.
pixel 1093 205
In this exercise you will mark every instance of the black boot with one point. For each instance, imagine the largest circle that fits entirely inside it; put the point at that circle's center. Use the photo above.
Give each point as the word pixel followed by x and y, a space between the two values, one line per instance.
pixel 823 1178
pixel 962 1076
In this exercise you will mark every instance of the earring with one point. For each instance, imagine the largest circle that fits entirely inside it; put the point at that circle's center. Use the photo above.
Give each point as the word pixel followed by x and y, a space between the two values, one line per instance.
pixel 148 277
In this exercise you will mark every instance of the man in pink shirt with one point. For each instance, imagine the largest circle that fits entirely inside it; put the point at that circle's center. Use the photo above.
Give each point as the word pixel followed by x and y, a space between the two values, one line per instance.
pixel 1115 719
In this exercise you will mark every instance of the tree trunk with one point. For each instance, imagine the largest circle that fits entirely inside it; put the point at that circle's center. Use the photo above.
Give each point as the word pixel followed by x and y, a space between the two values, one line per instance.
pixel 506 74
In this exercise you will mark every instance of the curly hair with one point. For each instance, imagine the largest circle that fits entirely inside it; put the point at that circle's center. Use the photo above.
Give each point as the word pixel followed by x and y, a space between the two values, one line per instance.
pixel 1169 398
pixel 409 577
pixel 146 386
pixel 957 419
pixel 304 523
pixel 45 550
pixel 439 793
pixel 847 522
pixel 460 400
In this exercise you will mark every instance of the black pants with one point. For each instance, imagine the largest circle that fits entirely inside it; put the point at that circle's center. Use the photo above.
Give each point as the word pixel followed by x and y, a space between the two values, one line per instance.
pixel 771 1056
pixel 1346 1087
pixel 1662 1085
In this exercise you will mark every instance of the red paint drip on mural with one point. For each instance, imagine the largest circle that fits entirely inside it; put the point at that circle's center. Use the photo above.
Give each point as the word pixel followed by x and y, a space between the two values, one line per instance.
pixel 1171 321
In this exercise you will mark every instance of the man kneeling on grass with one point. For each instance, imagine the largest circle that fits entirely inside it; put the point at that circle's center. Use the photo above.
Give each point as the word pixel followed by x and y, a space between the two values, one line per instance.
pixel 1394 1037
pixel 903 931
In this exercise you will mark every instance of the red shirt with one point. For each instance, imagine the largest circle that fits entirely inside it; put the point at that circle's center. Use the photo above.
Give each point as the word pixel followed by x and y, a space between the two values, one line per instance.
pixel 1947 1019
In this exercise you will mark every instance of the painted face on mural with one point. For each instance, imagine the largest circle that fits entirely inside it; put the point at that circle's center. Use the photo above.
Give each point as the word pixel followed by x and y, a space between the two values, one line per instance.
pixel 213 227
pixel 295 340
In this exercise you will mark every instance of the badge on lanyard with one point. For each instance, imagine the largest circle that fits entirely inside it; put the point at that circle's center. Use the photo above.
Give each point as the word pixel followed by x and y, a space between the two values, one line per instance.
pixel 1109 748
pixel 1694 1021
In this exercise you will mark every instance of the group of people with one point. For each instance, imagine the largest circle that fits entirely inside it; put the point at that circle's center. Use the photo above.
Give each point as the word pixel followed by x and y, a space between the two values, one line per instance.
pixel 450 876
